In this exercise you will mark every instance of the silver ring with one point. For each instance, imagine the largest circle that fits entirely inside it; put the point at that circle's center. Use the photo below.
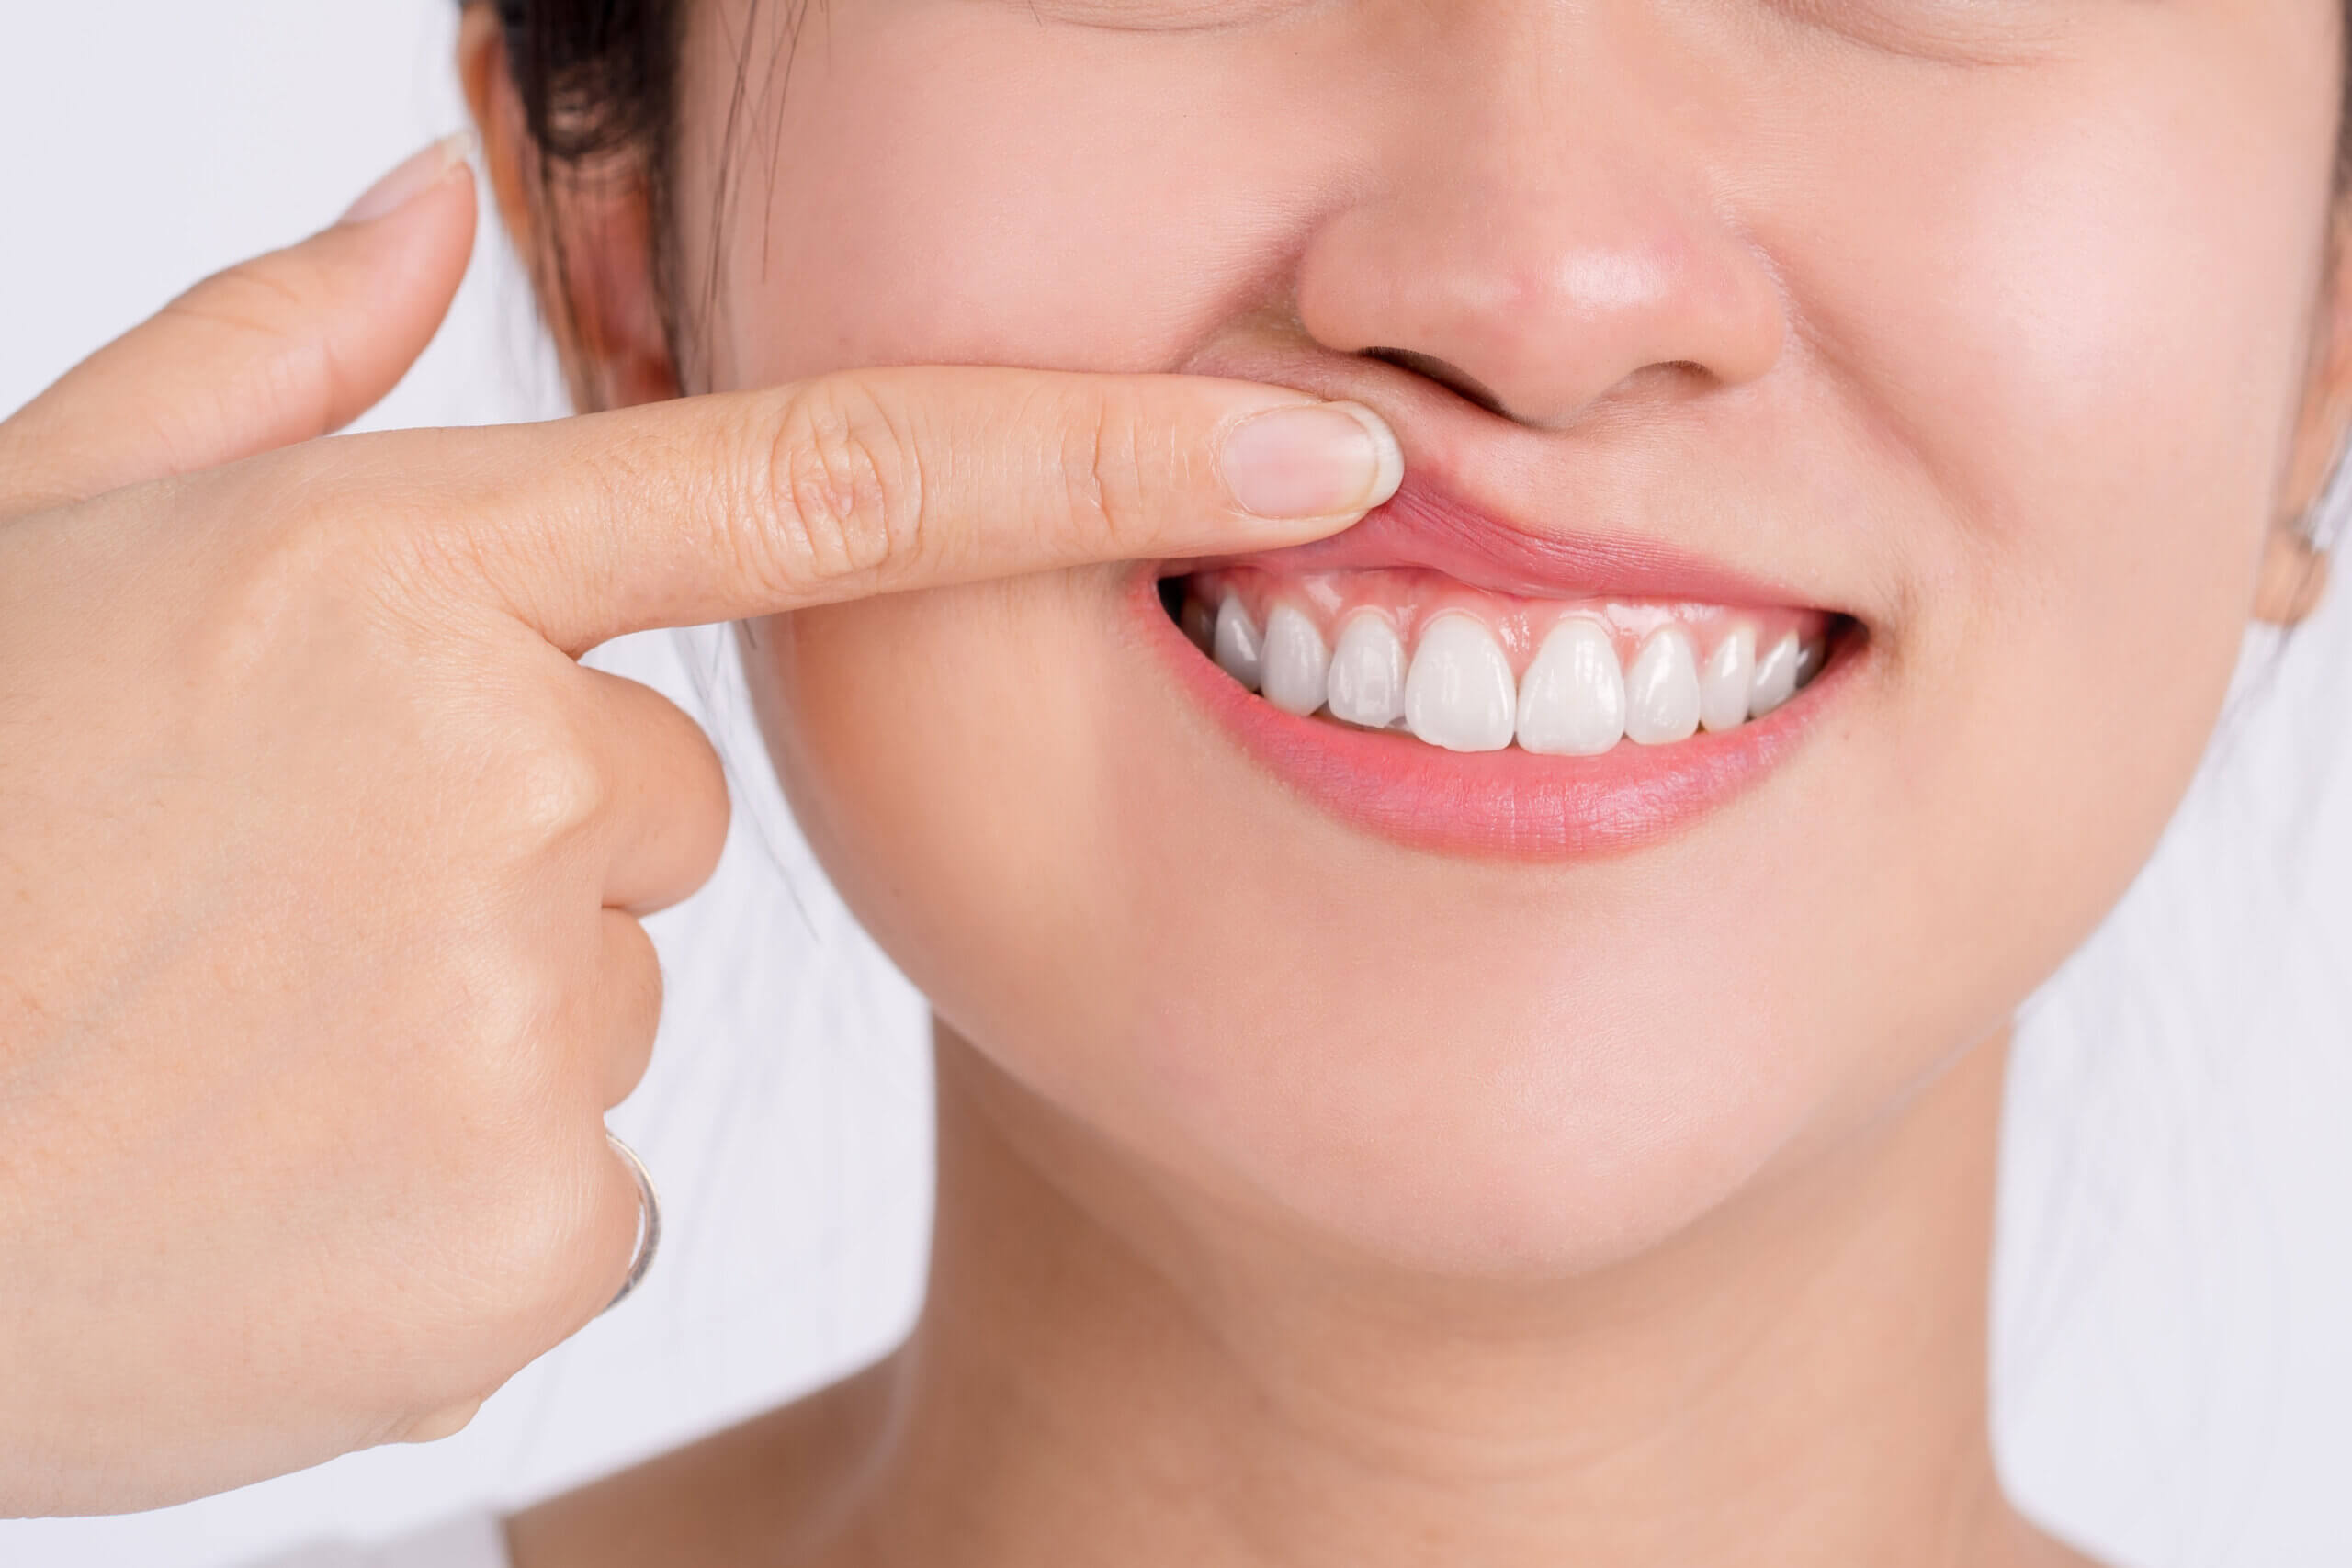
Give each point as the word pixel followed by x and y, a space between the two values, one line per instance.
pixel 649 1221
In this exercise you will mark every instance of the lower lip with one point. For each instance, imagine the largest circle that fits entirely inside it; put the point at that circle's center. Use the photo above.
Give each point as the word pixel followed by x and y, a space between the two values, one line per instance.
pixel 1505 804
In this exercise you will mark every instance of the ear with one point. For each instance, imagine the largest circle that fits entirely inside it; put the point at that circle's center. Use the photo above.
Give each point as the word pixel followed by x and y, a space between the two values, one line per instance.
pixel 2294 570
pixel 2293 578
pixel 586 233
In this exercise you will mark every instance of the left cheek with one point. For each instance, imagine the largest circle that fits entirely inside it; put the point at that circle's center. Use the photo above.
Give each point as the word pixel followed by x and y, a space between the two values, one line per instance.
pixel 2077 342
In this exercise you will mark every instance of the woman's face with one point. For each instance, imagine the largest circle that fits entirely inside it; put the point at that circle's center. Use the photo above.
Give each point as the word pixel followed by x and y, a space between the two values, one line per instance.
pixel 1969 334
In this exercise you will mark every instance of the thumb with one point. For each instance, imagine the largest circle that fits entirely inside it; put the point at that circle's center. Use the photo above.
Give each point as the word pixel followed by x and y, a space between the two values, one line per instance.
pixel 274 351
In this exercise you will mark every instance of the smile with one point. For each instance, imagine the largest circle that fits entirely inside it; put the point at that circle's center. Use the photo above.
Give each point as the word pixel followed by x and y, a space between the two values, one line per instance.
pixel 1464 685
pixel 1471 671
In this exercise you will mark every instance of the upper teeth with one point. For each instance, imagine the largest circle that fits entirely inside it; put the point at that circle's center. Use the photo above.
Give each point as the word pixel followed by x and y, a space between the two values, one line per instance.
pixel 1572 700
pixel 1240 651
pixel 1297 677
pixel 1367 675
pixel 1776 678
pixel 1727 687
pixel 1662 690
pixel 1459 694
pixel 1457 689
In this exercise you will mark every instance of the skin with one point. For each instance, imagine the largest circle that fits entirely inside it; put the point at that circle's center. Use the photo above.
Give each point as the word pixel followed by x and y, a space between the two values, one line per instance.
pixel 321 859
pixel 1307 1199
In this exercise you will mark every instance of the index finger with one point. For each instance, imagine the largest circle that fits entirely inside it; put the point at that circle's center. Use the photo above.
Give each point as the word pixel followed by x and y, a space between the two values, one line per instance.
pixel 728 506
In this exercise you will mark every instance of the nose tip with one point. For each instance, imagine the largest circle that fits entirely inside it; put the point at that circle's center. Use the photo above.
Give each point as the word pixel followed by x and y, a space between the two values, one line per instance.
pixel 1538 301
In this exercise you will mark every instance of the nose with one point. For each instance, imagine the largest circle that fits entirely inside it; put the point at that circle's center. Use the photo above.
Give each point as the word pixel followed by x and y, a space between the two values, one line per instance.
pixel 1545 239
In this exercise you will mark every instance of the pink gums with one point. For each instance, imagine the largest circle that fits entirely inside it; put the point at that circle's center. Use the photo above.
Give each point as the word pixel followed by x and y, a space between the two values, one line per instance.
pixel 1410 598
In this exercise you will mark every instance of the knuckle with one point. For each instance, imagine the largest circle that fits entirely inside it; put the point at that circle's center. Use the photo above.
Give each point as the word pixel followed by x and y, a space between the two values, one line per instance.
pixel 552 791
pixel 520 1163
pixel 844 486
pixel 1106 463
pixel 639 1013
pixel 636 987
pixel 694 783
pixel 638 959
pixel 494 1050
pixel 547 1232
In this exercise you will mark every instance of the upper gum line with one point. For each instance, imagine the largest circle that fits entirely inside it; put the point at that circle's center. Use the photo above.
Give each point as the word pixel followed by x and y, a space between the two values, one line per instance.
pixel 1411 600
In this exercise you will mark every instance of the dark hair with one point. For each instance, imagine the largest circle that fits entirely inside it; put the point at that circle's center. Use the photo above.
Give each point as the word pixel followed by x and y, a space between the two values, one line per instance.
pixel 596 77
pixel 598 82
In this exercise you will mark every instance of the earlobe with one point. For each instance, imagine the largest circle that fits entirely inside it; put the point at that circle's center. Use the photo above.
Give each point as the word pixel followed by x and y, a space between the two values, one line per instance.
pixel 586 236
pixel 2293 578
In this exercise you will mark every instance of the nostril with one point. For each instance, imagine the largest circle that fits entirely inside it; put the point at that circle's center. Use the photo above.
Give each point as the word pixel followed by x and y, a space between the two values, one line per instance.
pixel 1453 378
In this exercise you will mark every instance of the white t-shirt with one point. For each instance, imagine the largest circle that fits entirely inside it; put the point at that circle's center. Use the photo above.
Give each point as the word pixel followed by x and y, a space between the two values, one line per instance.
pixel 478 1540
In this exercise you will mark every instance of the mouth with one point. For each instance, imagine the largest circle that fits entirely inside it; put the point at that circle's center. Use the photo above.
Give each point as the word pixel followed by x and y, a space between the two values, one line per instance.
pixel 1486 690
pixel 1470 672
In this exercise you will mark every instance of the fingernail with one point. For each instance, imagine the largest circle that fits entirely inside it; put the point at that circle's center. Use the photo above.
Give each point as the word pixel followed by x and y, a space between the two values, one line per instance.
pixel 1312 460
pixel 411 179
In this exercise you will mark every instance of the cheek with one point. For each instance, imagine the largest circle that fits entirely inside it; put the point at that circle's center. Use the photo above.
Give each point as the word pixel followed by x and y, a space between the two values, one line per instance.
pixel 959 187
pixel 947 754
pixel 2073 321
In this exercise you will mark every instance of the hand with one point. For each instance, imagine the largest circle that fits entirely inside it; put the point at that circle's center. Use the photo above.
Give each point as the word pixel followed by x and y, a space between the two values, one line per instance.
pixel 322 858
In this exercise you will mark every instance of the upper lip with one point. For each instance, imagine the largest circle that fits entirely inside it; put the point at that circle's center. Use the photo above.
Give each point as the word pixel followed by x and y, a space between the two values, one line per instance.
pixel 1448 516
pixel 1427 526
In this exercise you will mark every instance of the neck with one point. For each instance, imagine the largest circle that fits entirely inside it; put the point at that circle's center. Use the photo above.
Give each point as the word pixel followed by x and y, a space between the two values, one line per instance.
pixel 1108 1372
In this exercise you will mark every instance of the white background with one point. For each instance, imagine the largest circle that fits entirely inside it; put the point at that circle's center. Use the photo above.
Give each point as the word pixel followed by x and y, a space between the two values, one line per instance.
pixel 2174 1286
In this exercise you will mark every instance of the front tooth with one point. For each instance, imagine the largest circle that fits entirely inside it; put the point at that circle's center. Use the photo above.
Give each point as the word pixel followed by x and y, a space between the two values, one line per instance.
pixel 1572 701
pixel 1367 677
pixel 1662 690
pixel 1296 662
pixel 1238 650
pixel 1723 687
pixel 1776 678
pixel 1459 694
